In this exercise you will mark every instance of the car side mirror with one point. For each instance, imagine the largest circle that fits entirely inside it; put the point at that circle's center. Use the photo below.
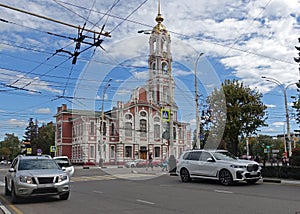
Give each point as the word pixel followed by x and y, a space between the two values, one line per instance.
pixel 11 170
pixel 63 168
pixel 210 160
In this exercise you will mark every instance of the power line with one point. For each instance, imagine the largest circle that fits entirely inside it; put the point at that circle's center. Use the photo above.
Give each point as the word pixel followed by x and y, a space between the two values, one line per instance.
pixel 106 34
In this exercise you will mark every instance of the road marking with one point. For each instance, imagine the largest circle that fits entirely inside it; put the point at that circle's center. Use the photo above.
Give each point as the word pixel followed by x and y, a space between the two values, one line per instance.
pixel 223 191
pixel 110 177
pixel 145 202
pixel 100 192
pixel 14 208
pixel 4 209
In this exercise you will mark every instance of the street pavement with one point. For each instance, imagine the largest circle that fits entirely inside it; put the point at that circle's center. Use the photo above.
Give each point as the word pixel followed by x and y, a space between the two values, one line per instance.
pixel 118 171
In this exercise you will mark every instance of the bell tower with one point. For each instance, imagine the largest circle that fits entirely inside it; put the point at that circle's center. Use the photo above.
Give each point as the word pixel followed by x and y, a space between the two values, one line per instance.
pixel 160 81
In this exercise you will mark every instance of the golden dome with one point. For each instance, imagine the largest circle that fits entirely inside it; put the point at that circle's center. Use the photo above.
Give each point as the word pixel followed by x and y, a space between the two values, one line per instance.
pixel 159 28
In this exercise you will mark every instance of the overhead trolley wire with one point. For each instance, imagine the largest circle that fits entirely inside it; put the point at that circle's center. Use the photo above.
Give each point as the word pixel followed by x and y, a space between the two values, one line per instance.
pixel 52 20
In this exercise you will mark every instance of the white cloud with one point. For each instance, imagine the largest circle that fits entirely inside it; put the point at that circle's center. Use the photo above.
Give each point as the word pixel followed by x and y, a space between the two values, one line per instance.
pixel 16 122
pixel 278 124
pixel 43 111
pixel 270 105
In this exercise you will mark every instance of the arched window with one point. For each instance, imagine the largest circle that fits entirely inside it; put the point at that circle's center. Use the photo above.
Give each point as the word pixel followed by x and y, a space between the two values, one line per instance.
pixel 128 116
pixel 143 114
pixel 165 68
pixel 112 129
pixel 128 129
pixel 156 119
pixel 174 133
pixel 156 131
pixel 153 67
pixel 143 127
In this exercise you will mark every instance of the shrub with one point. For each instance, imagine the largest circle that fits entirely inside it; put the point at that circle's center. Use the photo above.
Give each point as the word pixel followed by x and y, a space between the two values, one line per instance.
pixel 295 158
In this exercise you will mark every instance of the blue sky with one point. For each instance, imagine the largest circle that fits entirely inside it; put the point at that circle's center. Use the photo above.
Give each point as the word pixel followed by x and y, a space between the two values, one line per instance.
pixel 241 40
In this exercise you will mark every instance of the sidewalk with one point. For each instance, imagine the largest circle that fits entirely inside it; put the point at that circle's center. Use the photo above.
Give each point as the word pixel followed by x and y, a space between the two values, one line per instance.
pixel 141 170
pixel 282 181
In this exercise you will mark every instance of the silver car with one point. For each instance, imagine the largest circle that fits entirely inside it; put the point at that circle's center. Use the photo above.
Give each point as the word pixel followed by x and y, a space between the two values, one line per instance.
pixel 217 165
pixel 30 176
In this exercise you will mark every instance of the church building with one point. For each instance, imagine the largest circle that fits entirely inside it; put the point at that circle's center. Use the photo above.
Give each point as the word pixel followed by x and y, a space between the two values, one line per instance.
pixel 147 123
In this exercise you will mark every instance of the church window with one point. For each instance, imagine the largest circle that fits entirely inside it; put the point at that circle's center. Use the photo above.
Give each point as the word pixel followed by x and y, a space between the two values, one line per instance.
pixel 128 116
pixel 143 114
pixel 128 129
pixel 143 128
pixel 174 133
pixel 156 119
pixel 165 67
pixel 156 131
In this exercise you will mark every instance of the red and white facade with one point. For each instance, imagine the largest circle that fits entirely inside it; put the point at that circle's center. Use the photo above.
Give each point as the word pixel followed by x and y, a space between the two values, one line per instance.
pixel 130 130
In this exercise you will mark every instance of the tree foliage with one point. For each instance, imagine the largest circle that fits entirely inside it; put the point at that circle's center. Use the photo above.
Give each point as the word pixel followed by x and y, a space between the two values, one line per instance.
pixel 31 132
pixel 10 147
pixel 296 104
pixel 40 137
pixel 46 137
pixel 240 109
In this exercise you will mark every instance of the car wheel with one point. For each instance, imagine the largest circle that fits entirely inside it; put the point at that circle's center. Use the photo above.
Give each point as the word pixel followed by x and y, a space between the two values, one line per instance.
pixel 14 197
pixel 132 165
pixel 64 196
pixel 225 177
pixel 6 190
pixel 253 181
pixel 185 175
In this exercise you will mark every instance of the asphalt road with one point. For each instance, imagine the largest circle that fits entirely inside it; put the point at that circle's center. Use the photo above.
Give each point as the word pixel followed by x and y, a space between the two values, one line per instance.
pixel 136 191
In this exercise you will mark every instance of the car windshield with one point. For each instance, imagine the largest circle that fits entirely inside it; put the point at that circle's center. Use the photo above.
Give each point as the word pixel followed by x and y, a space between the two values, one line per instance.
pixel 223 155
pixel 37 164
pixel 63 162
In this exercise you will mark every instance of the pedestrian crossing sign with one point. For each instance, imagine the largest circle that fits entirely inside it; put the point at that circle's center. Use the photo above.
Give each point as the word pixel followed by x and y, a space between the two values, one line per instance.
pixel 165 115
pixel 52 148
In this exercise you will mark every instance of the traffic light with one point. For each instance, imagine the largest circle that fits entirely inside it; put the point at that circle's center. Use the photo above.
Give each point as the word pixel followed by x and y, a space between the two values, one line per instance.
pixel 268 148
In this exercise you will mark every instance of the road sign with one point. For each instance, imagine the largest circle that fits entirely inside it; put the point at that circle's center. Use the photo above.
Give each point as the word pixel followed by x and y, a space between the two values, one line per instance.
pixel 52 148
pixel 165 115
pixel 28 151
pixel 39 151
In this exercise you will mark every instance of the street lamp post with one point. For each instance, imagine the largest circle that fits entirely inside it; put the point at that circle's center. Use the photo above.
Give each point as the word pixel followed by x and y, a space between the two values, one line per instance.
pixel 101 160
pixel 198 144
pixel 270 79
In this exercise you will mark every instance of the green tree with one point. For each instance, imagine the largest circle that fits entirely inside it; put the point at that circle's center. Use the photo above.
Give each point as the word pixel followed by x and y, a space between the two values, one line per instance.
pixel 31 134
pixel 296 104
pixel 10 147
pixel 242 110
pixel 46 137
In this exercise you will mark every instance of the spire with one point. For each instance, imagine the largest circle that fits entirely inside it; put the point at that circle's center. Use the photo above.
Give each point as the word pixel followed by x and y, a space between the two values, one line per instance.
pixel 159 18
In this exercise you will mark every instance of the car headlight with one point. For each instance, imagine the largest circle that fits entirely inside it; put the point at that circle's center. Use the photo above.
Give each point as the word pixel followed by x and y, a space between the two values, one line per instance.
pixel 62 178
pixel 26 179
pixel 237 166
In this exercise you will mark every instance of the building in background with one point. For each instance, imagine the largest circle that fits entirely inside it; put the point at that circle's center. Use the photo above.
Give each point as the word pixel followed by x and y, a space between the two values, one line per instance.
pixel 134 129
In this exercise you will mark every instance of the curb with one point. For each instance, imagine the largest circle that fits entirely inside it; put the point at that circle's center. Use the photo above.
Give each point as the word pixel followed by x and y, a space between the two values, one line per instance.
pixel 271 180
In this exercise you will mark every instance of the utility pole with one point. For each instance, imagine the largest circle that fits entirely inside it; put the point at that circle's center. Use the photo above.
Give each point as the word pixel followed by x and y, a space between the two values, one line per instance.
pixel 287 118
pixel 101 160
pixel 198 143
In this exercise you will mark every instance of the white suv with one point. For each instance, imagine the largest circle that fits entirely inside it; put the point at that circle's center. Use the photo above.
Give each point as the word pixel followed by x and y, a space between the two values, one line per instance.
pixel 65 164
pixel 217 165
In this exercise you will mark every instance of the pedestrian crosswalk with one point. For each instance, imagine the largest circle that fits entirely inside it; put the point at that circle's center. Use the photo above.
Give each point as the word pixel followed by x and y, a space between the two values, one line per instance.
pixel 112 177
pixel 128 176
